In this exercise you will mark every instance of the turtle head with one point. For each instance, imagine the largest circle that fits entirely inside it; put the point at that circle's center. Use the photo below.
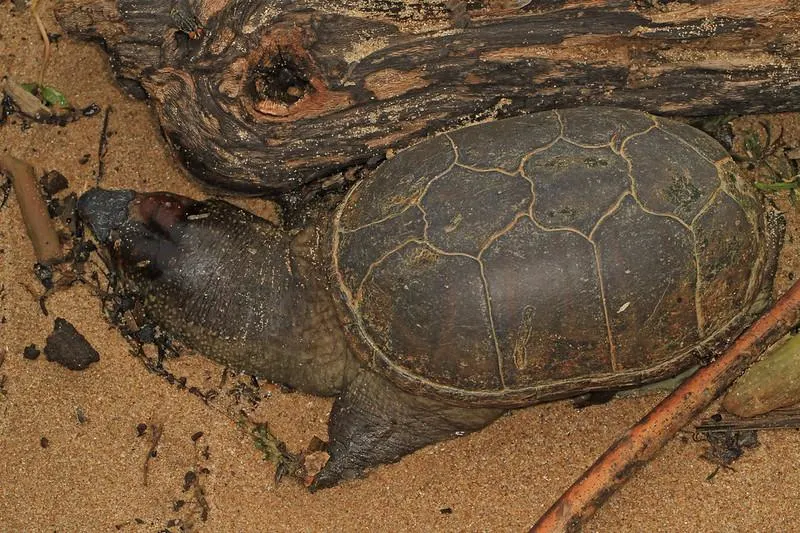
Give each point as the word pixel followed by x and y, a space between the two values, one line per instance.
pixel 140 230
pixel 113 213
pixel 226 282
pixel 104 211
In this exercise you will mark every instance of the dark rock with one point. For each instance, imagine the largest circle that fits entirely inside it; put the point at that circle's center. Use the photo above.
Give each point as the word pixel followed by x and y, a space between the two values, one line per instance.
pixel 69 348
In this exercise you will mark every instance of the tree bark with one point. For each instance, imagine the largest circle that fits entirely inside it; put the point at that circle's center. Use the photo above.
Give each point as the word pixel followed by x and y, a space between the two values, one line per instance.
pixel 267 96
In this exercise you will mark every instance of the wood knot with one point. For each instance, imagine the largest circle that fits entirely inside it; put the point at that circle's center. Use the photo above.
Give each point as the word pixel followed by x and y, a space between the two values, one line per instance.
pixel 277 83
pixel 283 82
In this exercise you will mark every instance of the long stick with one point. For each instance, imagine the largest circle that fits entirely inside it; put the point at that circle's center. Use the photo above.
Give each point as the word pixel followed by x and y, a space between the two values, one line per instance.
pixel 642 441
pixel 40 229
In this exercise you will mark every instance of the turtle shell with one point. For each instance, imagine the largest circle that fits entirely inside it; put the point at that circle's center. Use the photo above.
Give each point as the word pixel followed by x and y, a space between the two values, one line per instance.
pixel 551 254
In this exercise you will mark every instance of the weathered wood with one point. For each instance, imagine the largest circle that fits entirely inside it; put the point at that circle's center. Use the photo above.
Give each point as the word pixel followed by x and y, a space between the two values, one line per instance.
pixel 270 96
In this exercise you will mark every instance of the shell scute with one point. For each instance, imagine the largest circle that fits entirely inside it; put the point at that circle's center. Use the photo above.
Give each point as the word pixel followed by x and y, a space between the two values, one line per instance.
pixel 595 126
pixel 362 248
pixel 464 208
pixel 704 144
pixel 575 186
pixel 555 327
pixel 721 250
pixel 446 339
pixel 649 275
pixel 502 144
pixel 669 176
pixel 396 186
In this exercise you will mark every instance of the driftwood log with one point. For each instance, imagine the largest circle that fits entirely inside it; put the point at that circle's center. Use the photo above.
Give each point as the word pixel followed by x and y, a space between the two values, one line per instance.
pixel 268 96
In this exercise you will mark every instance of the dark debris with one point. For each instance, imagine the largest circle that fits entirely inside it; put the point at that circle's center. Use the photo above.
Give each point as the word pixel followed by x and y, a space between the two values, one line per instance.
pixel 728 446
pixel 69 348
pixel 53 182
pixel 31 352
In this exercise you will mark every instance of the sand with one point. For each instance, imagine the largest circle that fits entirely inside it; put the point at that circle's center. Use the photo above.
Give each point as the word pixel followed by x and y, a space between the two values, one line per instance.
pixel 71 458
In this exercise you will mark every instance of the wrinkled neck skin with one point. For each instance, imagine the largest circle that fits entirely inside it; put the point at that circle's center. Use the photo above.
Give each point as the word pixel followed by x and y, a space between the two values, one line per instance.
pixel 231 285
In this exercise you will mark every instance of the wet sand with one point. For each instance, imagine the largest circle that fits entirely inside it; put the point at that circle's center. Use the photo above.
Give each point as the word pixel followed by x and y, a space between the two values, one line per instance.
pixel 90 475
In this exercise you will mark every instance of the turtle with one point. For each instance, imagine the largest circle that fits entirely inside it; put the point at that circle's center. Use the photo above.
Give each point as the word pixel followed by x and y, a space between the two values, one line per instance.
pixel 483 269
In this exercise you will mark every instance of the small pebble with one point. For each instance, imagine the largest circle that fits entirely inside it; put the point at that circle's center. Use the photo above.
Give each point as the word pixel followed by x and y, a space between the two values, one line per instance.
pixel 189 480
pixel 31 352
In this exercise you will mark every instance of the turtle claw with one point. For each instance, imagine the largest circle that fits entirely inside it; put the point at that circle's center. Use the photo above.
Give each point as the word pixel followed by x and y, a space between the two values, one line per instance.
pixel 330 477
pixel 373 422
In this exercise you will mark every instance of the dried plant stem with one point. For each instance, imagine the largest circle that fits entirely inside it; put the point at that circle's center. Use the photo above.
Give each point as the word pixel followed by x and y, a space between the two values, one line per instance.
pixel 784 418
pixel 45 39
pixel 642 441
pixel 40 229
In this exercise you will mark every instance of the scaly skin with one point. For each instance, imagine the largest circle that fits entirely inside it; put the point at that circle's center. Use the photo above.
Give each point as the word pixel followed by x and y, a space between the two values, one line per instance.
pixel 256 297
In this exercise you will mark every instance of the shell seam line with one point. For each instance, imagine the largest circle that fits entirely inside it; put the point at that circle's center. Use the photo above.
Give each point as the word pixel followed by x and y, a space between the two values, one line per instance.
pixel 707 206
pixel 525 158
pixel 335 242
pixel 480 170
pixel 378 262
pixel 390 216
pixel 670 216
pixel 504 230
pixel 633 136
pixel 698 306
pixel 427 187
pixel 612 349
pixel 565 229
pixel 488 297
pixel 610 211
pixel 588 146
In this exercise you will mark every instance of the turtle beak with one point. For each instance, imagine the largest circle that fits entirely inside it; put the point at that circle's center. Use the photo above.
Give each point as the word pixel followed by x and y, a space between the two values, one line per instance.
pixel 127 213
pixel 140 230
pixel 105 211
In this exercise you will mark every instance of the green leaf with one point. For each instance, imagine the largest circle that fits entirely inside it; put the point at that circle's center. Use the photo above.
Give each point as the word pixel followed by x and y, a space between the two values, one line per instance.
pixel 54 97
pixel 47 94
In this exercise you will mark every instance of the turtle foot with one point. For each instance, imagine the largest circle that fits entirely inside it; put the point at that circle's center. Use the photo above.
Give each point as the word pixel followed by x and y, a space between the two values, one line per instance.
pixel 373 423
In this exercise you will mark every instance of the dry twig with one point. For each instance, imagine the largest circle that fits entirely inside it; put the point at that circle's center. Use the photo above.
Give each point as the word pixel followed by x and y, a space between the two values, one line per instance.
pixel 786 418
pixel 103 147
pixel 45 39
pixel 642 441
pixel 40 229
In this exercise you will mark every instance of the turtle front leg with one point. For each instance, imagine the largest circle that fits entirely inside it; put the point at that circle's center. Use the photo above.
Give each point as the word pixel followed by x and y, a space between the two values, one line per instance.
pixel 373 422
